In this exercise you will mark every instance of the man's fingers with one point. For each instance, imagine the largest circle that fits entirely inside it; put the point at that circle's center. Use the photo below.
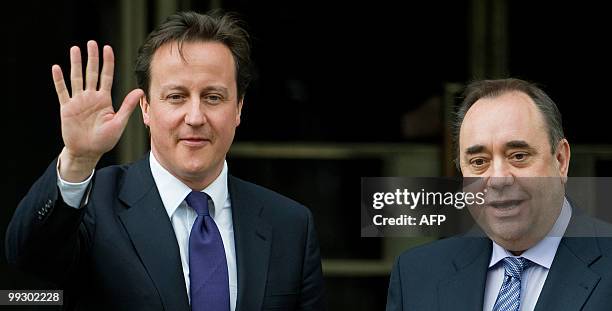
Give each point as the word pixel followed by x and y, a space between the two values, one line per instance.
pixel 93 62
pixel 60 84
pixel 76 71
pixel 127 107
pixel 108 67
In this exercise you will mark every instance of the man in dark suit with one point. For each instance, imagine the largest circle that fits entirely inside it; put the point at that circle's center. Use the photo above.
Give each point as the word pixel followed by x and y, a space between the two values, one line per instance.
pixel 173 231
pixel 538 250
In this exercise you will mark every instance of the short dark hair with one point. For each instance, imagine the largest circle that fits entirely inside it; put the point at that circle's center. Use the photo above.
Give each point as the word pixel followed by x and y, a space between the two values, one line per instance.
pixel 182 27
pixel 494 88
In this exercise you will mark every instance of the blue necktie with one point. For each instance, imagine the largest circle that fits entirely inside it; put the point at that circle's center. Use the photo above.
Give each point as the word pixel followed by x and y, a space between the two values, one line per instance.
pixel 209 286
pixel 509 297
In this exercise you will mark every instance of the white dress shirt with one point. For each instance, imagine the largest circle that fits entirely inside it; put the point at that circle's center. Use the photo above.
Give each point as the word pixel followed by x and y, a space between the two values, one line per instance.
pixel 173 193
pixel 532 278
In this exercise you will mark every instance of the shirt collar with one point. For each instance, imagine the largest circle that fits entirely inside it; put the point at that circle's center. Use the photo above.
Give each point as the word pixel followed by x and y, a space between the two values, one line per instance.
pixel 173 192
pixel 544 251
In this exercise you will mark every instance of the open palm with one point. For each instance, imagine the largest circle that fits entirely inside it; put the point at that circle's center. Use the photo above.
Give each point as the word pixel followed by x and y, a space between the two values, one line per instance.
pixel 90 125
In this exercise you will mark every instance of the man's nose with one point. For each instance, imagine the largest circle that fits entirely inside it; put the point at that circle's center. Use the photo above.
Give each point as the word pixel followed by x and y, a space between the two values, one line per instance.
pixel 195 116
pixel 500 175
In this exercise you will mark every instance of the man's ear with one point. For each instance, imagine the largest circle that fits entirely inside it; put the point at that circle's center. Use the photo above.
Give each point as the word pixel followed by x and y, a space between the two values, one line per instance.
pixel 144 107
pixel 239 111
pixel 562 158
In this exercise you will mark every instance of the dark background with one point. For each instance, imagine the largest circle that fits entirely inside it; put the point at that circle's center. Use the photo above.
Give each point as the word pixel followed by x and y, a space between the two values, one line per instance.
pixel 326 72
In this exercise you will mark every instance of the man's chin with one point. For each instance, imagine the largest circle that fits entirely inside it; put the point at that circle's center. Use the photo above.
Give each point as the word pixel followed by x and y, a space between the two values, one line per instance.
pixel 195 170
pixel 508 233
pixel 201 169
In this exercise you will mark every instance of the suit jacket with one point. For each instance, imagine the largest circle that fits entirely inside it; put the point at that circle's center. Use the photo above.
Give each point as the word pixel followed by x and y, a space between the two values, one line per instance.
pixel 119 252
pixel 450 274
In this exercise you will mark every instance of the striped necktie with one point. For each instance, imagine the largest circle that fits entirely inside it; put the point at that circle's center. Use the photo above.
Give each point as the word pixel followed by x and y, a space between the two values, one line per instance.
pixel 509 297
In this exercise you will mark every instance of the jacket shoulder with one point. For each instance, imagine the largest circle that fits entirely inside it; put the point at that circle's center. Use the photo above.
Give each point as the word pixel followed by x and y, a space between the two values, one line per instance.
pixel 274 203
pixel 440 249
pixel 441 253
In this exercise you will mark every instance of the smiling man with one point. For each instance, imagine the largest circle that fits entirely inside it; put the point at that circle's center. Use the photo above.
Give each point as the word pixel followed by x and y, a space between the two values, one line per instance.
pixel 504 140
pixel 173 231
pixel 509 136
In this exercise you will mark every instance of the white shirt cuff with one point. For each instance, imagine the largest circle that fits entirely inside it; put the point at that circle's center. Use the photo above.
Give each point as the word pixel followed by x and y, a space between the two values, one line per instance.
pixel 71 192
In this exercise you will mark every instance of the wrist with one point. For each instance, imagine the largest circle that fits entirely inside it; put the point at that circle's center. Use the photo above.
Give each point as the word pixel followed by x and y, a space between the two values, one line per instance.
pixel 73 168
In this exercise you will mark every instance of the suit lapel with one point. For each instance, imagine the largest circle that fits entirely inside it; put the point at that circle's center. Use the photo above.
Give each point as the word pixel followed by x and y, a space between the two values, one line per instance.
pixel 570 279
pixel 150 230
pixel 253 238
pixel 465 289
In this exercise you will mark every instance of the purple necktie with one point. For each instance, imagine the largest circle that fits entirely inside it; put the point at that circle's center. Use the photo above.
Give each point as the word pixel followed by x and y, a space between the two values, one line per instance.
pixel 207 264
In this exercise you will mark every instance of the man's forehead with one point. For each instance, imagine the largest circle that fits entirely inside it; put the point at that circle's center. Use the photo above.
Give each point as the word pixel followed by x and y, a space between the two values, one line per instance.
pixel 204 61
pixel 504 104
pixel 497 121
pixel 188 52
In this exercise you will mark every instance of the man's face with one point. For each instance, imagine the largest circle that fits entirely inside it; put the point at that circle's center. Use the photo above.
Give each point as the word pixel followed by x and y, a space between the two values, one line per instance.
pixel 194 109
pixel 504 140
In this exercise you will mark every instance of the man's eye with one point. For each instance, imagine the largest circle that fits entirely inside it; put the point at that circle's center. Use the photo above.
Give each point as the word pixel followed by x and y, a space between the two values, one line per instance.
pixel 213 98
pixel 519 156
pixel 478 162
pixel 175 98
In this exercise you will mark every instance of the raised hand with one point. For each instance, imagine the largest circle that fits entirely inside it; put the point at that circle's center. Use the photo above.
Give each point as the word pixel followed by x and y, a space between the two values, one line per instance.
pixel 90 125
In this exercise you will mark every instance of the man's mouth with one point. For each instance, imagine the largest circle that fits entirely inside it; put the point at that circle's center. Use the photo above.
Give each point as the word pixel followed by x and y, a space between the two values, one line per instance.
pixel 195 141
pixel 504 204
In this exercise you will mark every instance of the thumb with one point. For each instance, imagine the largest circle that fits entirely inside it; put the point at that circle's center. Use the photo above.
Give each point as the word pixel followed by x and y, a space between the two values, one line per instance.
pixel 129 104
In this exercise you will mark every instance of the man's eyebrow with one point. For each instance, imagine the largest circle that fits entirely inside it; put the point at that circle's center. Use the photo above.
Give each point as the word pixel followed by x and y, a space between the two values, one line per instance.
pixel 475 149
pixel 518 144
pixel 172 87
pixel 215 88
pixel 212 88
